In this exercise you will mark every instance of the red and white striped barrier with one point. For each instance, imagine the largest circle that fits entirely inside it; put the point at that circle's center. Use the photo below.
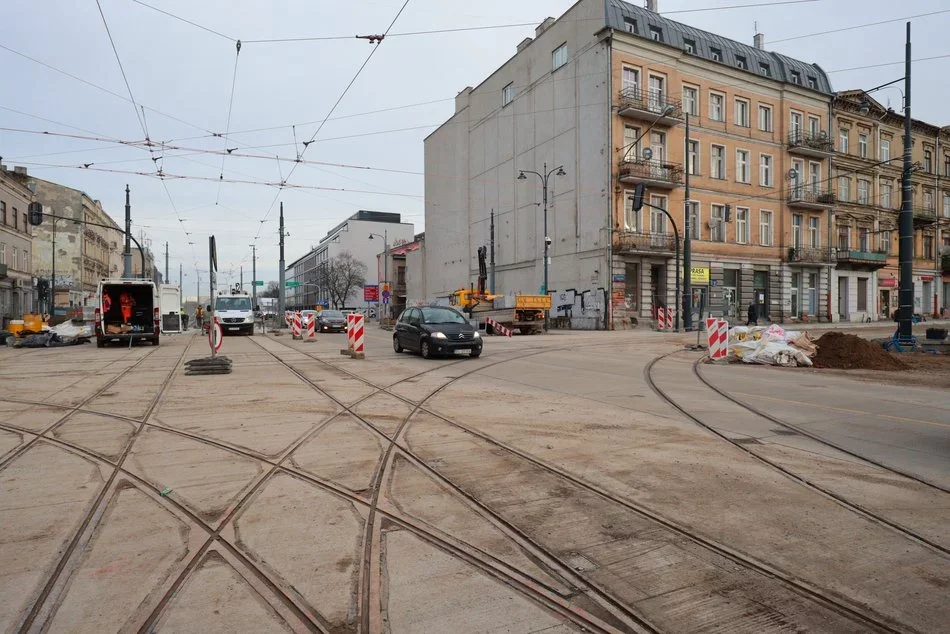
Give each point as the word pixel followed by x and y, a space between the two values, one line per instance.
pixel 311 327
pixel 350 318
pixel 296 326
pixel 288 319
pixel 717 336
pixel 358 337
pixel 664 318
pixel 498 328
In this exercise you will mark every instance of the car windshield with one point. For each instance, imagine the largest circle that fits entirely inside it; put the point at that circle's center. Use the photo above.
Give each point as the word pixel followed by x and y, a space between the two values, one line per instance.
pixel 331 314
pixel 441 316
pixel 233 303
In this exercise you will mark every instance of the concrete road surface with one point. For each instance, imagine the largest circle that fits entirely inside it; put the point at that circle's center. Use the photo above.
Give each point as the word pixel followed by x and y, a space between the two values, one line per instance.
pixel 544 487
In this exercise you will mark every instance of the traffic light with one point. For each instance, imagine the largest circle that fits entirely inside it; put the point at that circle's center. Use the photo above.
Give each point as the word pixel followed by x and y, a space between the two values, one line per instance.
pixel 36 213
pixel 638 196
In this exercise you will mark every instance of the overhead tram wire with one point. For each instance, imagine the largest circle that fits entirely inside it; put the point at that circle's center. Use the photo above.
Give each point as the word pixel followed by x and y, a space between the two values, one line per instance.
pixel 330 112
pixel 859 26
pixel 186 21
pixel 227 128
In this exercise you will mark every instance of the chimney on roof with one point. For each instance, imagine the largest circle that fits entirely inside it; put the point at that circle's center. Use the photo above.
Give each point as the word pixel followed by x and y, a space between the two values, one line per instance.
pixel 523 44
pixel 541 28
pixel 19 169
pixel 651 6
pixel 758 41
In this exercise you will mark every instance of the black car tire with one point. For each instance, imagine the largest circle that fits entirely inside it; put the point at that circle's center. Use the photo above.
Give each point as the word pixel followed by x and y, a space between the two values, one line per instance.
pixel 396 345
pixel 425 350
pixel 476 352
pixel 100 343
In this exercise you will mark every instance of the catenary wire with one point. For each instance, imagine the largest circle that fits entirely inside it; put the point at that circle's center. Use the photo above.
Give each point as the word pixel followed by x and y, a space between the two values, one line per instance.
pixel 186 21
pixel 227 127
pixel 859 26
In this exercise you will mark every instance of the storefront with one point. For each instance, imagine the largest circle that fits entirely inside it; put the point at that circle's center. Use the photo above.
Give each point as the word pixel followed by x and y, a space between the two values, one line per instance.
pixel 887 295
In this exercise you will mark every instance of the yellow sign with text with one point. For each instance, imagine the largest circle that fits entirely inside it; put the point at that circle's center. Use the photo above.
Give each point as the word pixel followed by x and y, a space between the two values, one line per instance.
pixel 698 275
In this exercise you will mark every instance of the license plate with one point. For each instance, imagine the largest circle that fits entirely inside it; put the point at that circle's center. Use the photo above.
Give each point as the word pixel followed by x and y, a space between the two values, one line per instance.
pixel 233 328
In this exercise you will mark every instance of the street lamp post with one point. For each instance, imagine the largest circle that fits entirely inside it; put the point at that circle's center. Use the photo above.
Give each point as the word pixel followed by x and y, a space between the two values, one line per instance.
pixel 544 175
pixel 385 238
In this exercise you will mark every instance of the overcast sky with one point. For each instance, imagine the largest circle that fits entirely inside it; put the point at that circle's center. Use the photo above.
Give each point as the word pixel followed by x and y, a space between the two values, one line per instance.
pixel 182 75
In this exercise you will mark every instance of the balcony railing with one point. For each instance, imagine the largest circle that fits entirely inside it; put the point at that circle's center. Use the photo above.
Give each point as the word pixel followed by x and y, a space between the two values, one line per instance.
pixel 810 255
pixel 652 172
pixel 636 102
pixel 863 259
pixel 634 241
pixel 810 143
pixel 807 195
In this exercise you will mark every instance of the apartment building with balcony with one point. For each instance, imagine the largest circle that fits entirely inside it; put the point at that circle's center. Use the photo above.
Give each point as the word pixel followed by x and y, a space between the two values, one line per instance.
pixel 16 267
pixel 605 91
pixel 868 165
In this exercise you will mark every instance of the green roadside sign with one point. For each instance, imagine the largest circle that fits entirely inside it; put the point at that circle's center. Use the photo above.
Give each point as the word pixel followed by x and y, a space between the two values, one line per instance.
pixel 258 282
pixel 292 284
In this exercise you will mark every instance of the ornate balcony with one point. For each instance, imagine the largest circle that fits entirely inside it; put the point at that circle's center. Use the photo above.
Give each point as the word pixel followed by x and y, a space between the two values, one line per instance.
pixel 924 216
pixel 650 105
pixel 861 260
pixel 636 242
pixel 814 145
pixel 809 255
pixel 807 197
pixel 656 174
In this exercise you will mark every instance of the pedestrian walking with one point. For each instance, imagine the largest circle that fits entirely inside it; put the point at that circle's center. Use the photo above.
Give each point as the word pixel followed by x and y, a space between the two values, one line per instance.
pixel 753 316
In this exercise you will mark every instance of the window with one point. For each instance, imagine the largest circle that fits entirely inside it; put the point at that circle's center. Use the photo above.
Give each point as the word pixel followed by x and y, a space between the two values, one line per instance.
pixel 814 177
pixel 26 225
pixel 864 192
pixel 656 33
pixel 796 123
pixel 717 162
pixel 630 79
pixel 885 242
pixel 689 46
pixel 765 170
pixel 631 146
pixel 657 96
pixel 886 195
pixel 742 113
pixel 742 225
pixel 3 212
pixel 928 200
pixel 797 231
pixel 716 110
pixel 716 53
pixel 717 231
pixel 15 265
pixel 765 118
pixel 946 206
pixel 764 69
pixel 814 233
pixel 26 260
pixel 508 94
pixel 691 100
pixel 16 219
pixel 946 164
pixel 928 248
pixel 844 237
pixel 862 293
pixel 630 24
pixel 657 217
pixel 843 141
pixel 3 253
pixel 740 62
pixel 631 218
pixel 885 150
pixel 928 161
pixel 692 159
pixel 695 228
pixel 765 228
pixel 559 56
pixel 814 126
pixel 658 146
pixel 812 83
pixel 863 145
pixel 796 77
pixel 864 239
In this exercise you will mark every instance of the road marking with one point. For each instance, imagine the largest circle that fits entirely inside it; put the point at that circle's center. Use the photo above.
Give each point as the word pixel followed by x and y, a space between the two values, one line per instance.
pixel 842 409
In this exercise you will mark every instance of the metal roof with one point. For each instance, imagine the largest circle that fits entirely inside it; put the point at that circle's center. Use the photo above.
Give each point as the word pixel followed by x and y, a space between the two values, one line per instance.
pixel 780 67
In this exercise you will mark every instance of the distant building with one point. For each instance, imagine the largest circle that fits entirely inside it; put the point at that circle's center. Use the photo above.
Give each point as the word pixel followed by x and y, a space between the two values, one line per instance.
pixel 397 263
pixel 85 254
pixel 16 265
pixel 352 235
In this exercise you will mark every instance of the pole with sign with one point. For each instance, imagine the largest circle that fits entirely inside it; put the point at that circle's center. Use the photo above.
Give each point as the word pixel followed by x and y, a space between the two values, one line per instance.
pixel 212 280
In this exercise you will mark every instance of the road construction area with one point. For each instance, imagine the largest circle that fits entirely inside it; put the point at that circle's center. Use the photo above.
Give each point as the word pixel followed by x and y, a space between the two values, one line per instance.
pixel 568 482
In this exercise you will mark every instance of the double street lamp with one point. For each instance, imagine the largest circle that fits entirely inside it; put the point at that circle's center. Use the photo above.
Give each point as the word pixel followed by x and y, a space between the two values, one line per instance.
pixel 544 175
pixel 385 238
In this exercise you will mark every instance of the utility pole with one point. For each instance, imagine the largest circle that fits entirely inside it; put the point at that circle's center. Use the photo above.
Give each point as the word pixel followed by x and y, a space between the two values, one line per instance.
pixel 281 275
pixel 167 279
pixel 198 287
pixel 52 300
pixel 385 310
pixel 254 274
pixel 242 278
pixel 491 263
pixel 544 176
pixel 181 276
pixel 127 254
pixel 905 245
pixel 685 303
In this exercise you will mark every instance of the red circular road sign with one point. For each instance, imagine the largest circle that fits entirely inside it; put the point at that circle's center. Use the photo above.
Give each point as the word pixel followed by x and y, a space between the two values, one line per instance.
pixel 215 335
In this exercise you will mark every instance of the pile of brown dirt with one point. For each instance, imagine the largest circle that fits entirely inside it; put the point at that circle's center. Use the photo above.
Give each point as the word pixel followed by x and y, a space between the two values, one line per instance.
pixel 850 352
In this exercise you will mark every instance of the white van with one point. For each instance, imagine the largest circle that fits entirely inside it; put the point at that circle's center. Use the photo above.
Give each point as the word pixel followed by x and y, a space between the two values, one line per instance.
pixel 235 313
pixel 127 310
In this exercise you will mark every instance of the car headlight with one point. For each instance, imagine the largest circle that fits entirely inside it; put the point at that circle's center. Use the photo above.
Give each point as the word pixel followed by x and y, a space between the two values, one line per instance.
pixel 438 335
pixel 476 335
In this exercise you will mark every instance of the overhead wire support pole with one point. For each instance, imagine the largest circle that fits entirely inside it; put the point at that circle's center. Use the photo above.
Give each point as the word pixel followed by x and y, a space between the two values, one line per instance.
pixel 905 293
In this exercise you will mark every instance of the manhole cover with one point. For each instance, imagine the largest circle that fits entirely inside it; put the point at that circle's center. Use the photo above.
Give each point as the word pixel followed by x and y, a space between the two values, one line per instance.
pixel 580 563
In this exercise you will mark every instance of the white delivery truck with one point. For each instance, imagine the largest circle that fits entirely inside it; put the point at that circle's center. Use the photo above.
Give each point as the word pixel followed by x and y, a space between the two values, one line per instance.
pixel 169 301
pixel 234 311
pixel 127 310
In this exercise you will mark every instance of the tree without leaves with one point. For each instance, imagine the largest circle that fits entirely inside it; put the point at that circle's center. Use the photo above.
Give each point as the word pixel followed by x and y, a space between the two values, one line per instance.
pixel 272 290
pixel 341 276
